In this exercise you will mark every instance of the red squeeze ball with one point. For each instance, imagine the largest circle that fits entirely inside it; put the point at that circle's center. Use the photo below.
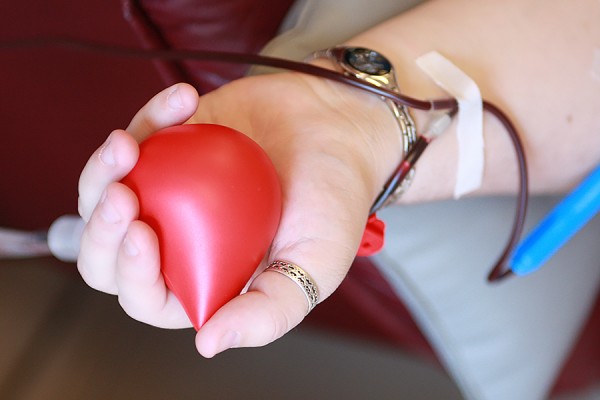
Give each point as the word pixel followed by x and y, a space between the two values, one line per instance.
pixel 213 197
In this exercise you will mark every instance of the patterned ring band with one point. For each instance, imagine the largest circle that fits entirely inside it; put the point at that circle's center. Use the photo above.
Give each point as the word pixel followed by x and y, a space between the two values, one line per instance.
pixel 301 278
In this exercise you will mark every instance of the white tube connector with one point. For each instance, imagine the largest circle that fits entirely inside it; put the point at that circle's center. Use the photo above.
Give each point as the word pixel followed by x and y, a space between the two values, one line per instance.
pixel 64 237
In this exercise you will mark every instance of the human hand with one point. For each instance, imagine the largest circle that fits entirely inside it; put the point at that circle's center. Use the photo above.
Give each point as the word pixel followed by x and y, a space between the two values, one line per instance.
pixel 333 148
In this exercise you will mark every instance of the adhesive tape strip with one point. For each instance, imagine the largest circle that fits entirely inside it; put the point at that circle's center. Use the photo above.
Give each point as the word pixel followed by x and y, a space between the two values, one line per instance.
pixel 469 128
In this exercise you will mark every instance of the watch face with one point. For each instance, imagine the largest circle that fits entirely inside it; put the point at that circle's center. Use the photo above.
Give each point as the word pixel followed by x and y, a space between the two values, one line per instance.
pixel 367 61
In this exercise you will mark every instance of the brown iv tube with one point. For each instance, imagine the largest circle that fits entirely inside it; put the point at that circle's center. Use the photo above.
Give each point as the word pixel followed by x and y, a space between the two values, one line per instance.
pixel 500 269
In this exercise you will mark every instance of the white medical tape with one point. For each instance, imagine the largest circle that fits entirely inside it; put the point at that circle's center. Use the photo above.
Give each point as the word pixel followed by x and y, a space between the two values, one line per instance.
pixel 469 130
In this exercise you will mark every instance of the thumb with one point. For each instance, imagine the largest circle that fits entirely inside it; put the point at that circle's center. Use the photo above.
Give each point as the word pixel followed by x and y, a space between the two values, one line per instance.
pixel 275 303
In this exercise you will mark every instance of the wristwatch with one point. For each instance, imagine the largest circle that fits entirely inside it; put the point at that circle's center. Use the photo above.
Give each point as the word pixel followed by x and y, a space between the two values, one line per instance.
pixel 373 67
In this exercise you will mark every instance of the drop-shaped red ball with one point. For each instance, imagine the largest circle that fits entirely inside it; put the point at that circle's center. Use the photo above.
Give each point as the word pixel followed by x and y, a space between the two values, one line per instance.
pixel 213 197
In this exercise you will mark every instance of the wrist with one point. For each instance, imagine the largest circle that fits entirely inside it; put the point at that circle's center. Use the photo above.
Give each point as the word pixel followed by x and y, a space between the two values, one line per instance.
pixel 375 136
pixel 375 69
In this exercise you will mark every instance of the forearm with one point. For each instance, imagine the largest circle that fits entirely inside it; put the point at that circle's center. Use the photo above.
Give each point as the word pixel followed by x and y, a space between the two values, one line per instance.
pixel 533 59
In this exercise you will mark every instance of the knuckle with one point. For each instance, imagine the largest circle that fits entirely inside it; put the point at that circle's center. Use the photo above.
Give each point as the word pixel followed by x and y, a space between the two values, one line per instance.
pixel 281 322
pixel 94 265
pixel 96 278
pixel 137 309
pixel 130 308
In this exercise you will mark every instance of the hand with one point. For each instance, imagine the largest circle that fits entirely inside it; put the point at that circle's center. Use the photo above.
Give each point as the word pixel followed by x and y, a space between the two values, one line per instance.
pixel 333 148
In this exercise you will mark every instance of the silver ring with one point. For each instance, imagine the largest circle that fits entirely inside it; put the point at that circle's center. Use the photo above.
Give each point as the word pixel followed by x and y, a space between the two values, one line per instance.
pixel 301 278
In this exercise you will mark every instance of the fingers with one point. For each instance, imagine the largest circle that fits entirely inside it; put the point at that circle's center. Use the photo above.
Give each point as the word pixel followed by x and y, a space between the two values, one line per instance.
pixel 119 255
pixel 117 156
pixel 111 162
pixel 103 235
pixel 106 261
pixel 142 290
pixel 172 106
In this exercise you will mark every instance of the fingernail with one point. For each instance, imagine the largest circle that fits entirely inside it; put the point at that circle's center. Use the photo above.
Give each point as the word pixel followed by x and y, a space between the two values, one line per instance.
pixel 108 212
pixel 174 99
pixel 107 154
pixel 229 340
pixel 130 248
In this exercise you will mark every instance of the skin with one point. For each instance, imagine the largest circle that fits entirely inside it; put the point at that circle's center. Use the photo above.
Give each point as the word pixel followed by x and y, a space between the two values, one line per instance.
pixel 334 147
